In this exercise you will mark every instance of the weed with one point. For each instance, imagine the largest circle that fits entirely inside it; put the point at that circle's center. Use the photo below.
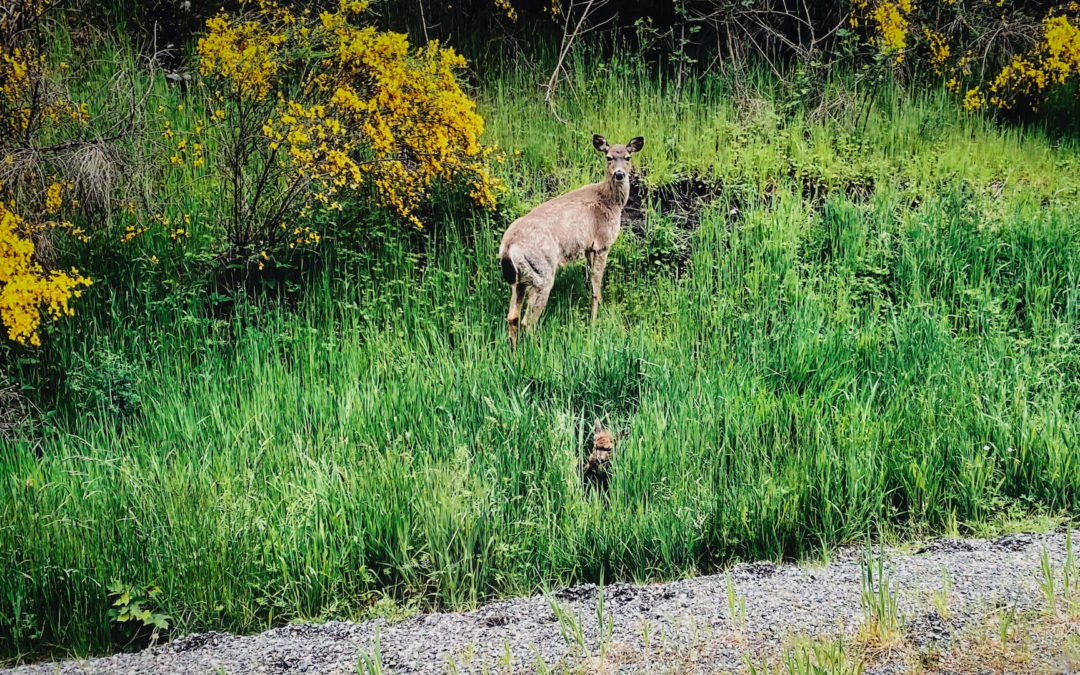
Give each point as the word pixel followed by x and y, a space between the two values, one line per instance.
pixel 135 612
pixel 815 658
pixel 1066 595
pixel 1006 619
pixel 370 662
pixel 105 382
pixel 822 659
pixel 605 624
pixel 570 627
pixel 736 604
pixel 941 596
pixel 882 621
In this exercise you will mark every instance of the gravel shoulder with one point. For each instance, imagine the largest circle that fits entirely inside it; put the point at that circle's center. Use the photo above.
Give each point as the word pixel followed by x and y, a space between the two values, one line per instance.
pixel 791 611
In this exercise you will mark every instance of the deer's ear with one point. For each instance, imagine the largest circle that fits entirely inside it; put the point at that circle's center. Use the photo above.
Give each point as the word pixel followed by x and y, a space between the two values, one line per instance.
pixel 635 144
pixel 596 426
pixel 599 142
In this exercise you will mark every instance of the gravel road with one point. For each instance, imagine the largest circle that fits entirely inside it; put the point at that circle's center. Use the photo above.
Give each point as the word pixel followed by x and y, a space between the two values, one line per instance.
pixel 684 626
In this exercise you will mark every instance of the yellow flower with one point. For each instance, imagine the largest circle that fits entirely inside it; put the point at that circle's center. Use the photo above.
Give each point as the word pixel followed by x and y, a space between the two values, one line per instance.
pixel 53 198
pixel 974 99
pixel 27 290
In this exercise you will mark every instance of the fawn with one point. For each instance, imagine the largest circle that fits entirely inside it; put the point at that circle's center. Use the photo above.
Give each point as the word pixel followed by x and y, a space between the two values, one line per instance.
pixel 598 466
pixel 584 222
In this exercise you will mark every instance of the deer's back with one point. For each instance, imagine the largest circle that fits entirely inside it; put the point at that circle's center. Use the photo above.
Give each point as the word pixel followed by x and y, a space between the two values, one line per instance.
pixel 564 227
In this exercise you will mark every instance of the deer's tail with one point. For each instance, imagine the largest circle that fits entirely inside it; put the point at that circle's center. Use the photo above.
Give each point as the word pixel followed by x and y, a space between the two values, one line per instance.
pixel 509 267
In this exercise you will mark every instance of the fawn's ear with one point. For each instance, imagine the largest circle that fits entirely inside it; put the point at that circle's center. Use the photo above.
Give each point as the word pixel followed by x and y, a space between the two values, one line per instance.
pixel 599 142
pixel 596 427
pixel 635 144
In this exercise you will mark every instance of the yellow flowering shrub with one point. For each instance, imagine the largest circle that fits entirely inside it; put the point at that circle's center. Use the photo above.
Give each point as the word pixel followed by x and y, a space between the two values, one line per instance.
pixel 33 107
pixel 890 19
pixel 973 44
pixel 27 290
pixel 305 110
pixel 1053 62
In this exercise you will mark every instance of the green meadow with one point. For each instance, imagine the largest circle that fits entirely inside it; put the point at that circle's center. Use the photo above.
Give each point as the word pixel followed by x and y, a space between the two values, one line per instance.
pixel 826 323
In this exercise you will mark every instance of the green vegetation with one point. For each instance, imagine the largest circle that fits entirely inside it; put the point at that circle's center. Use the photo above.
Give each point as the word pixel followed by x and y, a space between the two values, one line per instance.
pixel 876 322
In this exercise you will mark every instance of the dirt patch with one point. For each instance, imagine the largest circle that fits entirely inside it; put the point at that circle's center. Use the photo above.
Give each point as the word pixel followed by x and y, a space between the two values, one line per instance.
pixel 583 592
pixel 683 200
pixel 815 187
pixel 16 411
pixel 199 641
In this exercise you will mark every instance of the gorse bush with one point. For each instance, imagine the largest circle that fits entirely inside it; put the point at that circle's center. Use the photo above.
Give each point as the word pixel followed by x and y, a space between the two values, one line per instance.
pixel 292 115
pixel 27 289
pixel 299 113
pixel 991 53
pixel 34 109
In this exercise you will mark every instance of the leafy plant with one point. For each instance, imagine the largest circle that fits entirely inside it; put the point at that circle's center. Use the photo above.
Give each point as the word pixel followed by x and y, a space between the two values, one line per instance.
pixel 135 611
pixel 106 381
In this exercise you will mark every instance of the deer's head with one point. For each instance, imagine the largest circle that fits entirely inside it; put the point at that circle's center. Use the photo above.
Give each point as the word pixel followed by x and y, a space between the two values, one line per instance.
pixel 618 156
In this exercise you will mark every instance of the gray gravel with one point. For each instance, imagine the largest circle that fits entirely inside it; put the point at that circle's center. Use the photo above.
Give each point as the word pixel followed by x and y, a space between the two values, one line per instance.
pixel 688 619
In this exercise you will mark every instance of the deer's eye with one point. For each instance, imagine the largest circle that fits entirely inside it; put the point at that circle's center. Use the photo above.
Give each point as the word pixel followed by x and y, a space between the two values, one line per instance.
pixel 610 159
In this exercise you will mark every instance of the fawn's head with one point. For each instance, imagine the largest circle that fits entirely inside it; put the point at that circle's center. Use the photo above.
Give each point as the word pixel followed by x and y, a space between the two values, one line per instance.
pixel 618 156
pixel 602 438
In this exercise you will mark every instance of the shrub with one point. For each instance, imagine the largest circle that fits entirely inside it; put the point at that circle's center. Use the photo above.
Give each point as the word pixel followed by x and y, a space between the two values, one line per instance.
pixel 27 289
pixel 991 54
pixel 33 106
pixel 305 112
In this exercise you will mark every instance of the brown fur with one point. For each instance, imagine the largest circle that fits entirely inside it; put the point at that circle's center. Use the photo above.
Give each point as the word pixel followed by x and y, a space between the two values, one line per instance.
pixel 598 465
pixel 581 223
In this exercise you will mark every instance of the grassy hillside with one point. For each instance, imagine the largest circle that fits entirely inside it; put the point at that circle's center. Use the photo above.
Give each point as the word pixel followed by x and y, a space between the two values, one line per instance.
pixel 851 325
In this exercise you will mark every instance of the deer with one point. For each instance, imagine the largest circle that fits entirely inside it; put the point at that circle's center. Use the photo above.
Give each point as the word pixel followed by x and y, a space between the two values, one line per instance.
pixel 581 223
pixel 596 469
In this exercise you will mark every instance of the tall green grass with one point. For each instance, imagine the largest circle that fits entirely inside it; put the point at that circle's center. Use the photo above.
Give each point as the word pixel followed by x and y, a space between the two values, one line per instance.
pixel 905 356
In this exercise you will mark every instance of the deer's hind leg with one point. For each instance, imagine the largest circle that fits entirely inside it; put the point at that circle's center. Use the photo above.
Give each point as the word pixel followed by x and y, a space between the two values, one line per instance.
pixel 538 297
pixel 513 317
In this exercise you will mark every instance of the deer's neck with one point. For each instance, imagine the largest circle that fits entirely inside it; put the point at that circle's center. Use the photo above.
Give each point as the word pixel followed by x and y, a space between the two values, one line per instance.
pixel 614 193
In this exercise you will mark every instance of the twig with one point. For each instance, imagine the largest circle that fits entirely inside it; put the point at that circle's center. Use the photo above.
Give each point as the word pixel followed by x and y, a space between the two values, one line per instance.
pixel 568 38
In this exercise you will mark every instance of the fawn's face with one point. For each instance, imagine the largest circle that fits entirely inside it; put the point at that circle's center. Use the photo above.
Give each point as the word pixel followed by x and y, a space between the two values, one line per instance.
pixel 617 156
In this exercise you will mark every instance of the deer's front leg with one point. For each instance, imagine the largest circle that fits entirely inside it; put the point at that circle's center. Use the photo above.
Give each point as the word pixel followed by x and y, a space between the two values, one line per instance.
pixel 597 261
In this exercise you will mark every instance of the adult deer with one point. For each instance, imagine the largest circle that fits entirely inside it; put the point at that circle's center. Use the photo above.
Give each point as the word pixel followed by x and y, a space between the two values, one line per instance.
pixel 584 222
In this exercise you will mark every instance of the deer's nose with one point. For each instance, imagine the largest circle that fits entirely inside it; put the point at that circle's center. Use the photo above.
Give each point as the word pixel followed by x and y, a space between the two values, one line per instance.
pixel 619 174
